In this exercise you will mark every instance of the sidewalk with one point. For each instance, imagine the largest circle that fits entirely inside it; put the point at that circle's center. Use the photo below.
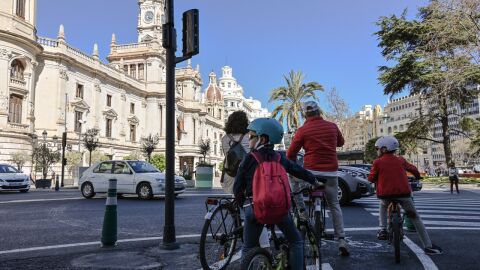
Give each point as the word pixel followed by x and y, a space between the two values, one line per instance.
pixel 136 255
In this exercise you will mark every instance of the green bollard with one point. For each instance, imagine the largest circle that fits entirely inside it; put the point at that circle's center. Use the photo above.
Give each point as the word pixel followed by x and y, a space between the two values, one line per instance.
pixel 408 223
pixel 109 230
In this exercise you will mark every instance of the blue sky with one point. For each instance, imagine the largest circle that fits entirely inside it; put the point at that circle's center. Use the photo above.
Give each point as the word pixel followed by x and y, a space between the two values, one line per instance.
pixel 332 42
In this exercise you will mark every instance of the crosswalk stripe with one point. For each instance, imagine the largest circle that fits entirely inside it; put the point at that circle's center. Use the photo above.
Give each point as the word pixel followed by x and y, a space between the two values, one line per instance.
pixel 448 200
pixel 426 207
pixel 444 217
pixel 436 211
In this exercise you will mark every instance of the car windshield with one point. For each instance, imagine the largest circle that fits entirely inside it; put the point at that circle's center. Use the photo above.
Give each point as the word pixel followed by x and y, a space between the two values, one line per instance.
pixel 142 167
pixel 8 169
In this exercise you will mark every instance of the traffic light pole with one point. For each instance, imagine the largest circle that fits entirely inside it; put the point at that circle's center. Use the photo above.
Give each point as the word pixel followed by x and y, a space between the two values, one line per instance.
pixel 169 43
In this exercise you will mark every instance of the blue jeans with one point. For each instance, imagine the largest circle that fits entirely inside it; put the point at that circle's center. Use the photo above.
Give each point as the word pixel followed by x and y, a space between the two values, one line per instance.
pixel 252 230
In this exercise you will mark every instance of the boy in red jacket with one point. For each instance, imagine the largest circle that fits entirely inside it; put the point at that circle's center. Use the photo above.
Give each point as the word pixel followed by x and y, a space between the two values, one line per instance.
pixel 389 172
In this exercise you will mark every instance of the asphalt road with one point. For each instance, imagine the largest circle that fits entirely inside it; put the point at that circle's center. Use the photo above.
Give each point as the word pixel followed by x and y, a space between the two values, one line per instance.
pixel 35 224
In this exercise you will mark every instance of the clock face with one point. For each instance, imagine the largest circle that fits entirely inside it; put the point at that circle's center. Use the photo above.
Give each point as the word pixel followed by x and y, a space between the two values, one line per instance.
pixel 148 16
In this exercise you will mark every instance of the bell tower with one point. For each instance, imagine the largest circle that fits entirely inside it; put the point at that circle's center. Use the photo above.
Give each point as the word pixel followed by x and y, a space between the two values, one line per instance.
pixel 150 20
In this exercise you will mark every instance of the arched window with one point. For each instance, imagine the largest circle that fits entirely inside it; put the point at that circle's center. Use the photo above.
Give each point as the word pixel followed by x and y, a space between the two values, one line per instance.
pixel 17 69
pixel 20 9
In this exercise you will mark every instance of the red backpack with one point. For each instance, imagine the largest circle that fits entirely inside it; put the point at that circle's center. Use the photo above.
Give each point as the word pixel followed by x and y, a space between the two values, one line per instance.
pixel 271 190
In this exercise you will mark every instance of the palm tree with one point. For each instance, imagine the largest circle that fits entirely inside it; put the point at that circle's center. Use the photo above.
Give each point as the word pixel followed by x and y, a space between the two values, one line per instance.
pixel 292 96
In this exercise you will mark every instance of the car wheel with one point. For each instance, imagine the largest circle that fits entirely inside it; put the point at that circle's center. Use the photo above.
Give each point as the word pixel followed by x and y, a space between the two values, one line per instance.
pixel 144 191
pixel 87 190
pixel 342 194
pixel 24 191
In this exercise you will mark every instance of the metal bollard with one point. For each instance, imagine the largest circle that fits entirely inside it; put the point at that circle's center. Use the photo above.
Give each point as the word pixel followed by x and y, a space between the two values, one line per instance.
pixel 109 230
pixel 57 188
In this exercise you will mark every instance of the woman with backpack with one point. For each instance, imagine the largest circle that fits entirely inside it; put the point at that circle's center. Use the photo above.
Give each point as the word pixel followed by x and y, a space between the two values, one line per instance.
pixel 235 147
pixel 266 196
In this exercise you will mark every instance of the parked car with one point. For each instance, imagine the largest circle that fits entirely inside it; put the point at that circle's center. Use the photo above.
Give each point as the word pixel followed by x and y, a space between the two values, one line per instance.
pixel 133 177
pixel 12 179
pixel 353 184
pixel 476 168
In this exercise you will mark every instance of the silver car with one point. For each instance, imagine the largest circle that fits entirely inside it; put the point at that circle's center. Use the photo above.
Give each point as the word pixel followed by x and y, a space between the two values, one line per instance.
pixel 133 177
pixel 12 179
pixel 353 184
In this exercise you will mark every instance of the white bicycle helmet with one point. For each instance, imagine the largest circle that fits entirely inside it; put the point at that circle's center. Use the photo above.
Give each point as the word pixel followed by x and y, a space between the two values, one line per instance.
pixel 389 142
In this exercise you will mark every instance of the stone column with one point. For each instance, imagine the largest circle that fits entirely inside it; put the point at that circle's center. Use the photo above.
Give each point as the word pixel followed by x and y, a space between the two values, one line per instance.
pixel 4 86
pixel 162 118
pixel 60 98
pixel 97 110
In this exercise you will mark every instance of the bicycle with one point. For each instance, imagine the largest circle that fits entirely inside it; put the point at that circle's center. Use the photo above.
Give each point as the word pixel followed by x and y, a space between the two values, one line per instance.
pixel 395 227
pixel 262 258
pixel 220 233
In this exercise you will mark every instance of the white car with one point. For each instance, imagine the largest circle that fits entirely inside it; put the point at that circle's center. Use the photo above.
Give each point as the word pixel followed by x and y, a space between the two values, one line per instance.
pixel 12 179
pixel 133 177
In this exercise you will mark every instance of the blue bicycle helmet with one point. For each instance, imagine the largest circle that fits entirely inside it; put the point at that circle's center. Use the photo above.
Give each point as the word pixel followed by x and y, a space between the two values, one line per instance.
pixel 267 126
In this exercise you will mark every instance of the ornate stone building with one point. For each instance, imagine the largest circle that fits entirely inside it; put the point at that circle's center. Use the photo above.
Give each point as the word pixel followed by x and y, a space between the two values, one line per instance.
pixel 48 85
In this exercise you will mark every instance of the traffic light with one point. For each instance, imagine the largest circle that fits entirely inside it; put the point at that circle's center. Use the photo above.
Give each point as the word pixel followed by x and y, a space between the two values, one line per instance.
pixel 191 43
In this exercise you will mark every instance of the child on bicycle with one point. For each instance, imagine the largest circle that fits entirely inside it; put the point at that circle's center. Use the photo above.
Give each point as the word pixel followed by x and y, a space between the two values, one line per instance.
pixel 263 134
pixel 389 172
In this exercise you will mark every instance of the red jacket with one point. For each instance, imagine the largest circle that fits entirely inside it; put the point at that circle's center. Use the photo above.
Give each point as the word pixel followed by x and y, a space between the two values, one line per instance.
pixel 390 173
pixel 320 139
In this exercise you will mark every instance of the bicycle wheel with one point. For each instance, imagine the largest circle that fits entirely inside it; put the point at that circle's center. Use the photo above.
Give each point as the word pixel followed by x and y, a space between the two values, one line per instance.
pixel 257 259
pixel 311 249
pixel 219 239
pixel 318 224
pixel 396 235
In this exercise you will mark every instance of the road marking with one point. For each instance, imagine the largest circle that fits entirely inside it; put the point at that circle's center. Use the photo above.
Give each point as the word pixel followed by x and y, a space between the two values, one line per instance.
pixel 426 261
pixel 470 212
pixel 91 244
pixel 430 207
pixel 444 217
pixel 41 200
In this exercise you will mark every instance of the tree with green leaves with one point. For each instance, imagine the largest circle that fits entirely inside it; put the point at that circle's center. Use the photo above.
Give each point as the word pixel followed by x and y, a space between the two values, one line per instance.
pixel 370 153
pixel 45 157
pixel 158 160
pixel 19 159
pixel 90 141
pixel 74 159
pixel 437 58
pixel 292 97
pixel 97 156
pixel 149 144
pixel 205 148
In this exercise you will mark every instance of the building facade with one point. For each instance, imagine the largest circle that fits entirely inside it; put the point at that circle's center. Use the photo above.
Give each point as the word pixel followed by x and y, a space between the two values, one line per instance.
pixel 48 85
pixel 234 97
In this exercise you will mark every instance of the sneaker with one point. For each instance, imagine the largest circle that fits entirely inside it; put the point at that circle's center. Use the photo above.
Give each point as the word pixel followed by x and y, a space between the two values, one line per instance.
pixel 382 234
pixel 433 250
pixel 343 247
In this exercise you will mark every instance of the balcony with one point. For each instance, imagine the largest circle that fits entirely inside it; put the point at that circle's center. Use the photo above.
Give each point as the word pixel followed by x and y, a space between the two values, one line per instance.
pixel 18 82
pixel 18 127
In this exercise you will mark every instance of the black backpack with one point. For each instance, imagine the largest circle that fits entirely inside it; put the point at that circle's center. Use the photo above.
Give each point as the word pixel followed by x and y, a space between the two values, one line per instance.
pixel 234 156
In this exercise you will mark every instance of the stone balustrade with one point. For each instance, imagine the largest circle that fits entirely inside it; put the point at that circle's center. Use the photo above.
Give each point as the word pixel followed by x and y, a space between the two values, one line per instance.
pixel 49 42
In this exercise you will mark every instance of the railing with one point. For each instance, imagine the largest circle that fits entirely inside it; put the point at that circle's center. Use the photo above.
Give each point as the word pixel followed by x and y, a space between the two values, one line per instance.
pixel 18 81
pixel 80 54
pixel 132 46
pixel 49 42
pixel 18 126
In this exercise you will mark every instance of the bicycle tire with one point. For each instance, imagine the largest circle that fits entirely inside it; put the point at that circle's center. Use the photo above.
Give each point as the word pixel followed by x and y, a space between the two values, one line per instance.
pixel 396 235
pixel 255 256
pixel 225 244
pixel 311 248
pixel 319 224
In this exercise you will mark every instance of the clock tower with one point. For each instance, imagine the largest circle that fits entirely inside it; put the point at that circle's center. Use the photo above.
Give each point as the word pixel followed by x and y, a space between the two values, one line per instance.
pixel 150 20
